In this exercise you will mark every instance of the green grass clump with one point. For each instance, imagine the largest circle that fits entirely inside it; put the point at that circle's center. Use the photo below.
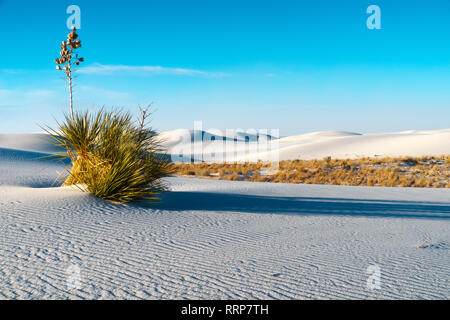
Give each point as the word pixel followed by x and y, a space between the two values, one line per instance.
pixel 112 156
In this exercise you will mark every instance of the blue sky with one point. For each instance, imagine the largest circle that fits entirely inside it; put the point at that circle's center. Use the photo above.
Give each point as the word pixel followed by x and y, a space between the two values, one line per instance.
pixel 299 66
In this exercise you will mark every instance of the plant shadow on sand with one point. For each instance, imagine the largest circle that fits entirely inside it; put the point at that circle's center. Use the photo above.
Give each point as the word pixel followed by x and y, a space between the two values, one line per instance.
pixel 223 202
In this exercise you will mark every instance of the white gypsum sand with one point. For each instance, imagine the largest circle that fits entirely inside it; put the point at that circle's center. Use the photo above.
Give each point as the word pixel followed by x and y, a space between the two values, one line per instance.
pixel 218 239
pixel 317 145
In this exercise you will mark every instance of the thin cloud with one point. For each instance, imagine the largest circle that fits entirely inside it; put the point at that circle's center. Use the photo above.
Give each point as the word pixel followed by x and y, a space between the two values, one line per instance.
pixel 32 94
pixel 102 69
pixel 11 71
pixel 100 92
pixel 23 98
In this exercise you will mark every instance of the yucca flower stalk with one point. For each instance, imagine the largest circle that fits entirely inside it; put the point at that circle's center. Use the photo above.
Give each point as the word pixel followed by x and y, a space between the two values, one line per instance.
pixel 69 59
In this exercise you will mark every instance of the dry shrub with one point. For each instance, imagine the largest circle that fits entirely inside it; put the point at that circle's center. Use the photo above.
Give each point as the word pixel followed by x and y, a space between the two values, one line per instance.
pixel 426 171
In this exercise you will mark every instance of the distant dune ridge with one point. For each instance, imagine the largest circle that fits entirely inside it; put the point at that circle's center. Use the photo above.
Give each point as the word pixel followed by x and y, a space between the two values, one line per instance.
pixel 253 146
pixel 352 145
pixel 34 142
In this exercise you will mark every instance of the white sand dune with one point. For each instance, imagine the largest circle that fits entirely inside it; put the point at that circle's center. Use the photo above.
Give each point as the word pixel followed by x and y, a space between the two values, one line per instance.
pixel 34 142
pixel 242 146
pixel 218 239
pixel 316 145
pixel 26 168
pixel 350 145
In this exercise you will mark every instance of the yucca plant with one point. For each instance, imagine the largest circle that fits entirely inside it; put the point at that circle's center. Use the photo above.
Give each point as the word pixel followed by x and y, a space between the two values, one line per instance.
pixel 113 157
